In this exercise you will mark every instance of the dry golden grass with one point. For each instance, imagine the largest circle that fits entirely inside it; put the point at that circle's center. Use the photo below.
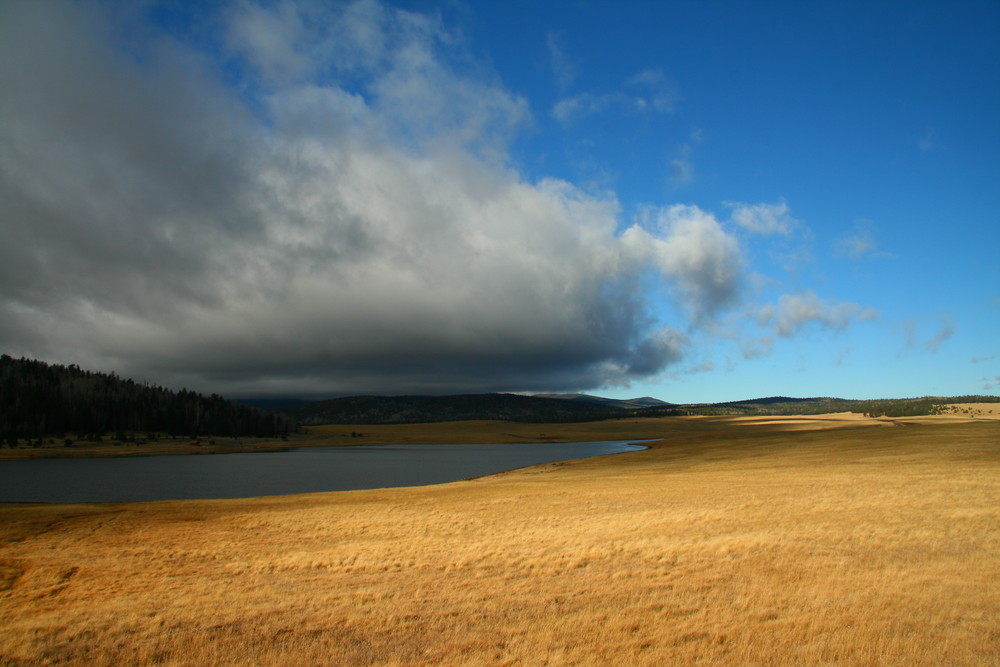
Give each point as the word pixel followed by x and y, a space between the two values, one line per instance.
pixel 735 541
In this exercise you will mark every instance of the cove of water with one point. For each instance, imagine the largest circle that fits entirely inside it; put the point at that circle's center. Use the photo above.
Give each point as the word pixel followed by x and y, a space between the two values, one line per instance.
pixel 246 475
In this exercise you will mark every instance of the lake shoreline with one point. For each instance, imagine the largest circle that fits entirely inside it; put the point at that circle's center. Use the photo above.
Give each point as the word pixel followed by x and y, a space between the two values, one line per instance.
pixel 468 432
pixel 346 435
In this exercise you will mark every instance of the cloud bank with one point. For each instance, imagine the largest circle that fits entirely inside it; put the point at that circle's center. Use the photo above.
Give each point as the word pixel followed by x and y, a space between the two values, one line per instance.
pixel 320 203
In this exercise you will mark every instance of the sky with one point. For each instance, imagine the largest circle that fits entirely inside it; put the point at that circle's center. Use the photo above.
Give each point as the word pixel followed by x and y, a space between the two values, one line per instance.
pixel 698 202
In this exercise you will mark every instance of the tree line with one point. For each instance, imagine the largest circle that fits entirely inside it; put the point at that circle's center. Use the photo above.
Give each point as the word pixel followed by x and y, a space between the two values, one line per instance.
pixel 39 399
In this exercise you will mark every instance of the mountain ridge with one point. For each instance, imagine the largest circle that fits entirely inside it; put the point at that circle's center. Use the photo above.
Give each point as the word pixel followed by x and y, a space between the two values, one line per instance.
pixel 459 407
pixel 627 403
pixel 556 408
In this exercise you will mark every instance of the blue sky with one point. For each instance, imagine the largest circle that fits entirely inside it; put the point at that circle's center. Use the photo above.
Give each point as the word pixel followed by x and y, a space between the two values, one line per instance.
pixel 693 201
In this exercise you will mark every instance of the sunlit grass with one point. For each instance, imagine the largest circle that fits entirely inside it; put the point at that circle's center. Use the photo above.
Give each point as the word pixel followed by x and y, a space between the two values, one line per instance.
pixel 736 541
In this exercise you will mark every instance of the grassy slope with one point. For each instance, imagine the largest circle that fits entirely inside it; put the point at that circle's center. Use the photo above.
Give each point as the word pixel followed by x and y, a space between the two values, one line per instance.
pixel 737 540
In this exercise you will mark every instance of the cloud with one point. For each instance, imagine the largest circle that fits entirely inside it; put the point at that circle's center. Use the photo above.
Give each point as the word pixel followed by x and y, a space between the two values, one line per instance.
pixel 646 91
pixel 579 106
pixel 564 68
pixel 654 90
pixel 681 172
pixel 662 349
pixel 681 168
pixel 915 341
pixel 861 243
pixel 393 65
pixel 926 142
pixel 858 245
pixel 704 367
pixel 765 219
pixel 272 41
pixel 942 334
pixel 689 246
pixel 331 212
pixel 795 311
pixel 318 201
pixel 756 348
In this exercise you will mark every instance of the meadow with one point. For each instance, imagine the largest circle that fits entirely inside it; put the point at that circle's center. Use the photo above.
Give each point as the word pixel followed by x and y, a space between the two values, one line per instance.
pixel 777 540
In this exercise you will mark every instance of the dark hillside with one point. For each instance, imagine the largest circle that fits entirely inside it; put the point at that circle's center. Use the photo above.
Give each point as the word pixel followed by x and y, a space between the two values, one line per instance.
pixel 272 404
pixel 582 407
pixel 772 400
pixel 422 409
pixel 624 404
pixel 38 399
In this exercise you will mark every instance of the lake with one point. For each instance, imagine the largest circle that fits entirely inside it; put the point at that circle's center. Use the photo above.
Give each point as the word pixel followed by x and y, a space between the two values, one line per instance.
pixel 246 475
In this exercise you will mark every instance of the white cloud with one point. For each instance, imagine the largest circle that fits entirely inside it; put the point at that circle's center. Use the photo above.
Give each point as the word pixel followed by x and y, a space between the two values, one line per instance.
pixel 681 172
pixel 572 108
pixel 681 167
pixel 795 311
pixel 394 61
pixel 765 219
pixel 704 367
pixel 647 91
pixel 916 338
pixel 756 348
pixel 689 246
pixel 271 40
pixel 861 242
pixel 564 68
pixel 654 91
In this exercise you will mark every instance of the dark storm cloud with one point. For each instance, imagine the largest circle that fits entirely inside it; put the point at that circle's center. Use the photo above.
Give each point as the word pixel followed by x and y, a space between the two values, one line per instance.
pixel 339 220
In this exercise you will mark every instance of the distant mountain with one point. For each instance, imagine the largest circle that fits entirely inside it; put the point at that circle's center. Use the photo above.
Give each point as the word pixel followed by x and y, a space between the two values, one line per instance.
pixel 272 404
pixel 556 408
pixel 627 404
pixel 649 402
pixel 422 409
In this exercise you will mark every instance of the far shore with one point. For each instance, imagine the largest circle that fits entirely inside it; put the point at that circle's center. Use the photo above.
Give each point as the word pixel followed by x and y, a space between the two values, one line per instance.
pixel 465 432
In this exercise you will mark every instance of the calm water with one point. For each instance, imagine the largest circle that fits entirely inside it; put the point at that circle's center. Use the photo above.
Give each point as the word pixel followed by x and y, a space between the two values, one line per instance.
pixel 247 475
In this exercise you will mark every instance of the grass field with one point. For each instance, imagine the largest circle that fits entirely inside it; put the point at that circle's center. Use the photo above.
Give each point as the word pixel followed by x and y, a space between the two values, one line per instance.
pixel 743 541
